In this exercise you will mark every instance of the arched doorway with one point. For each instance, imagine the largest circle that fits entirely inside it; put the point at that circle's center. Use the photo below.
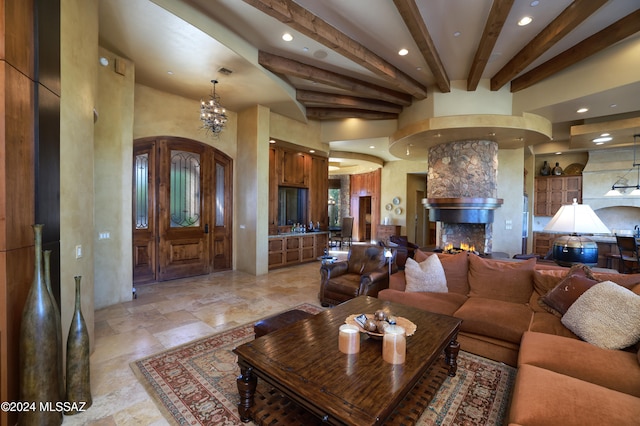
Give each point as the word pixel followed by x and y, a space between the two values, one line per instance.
pixel 182 206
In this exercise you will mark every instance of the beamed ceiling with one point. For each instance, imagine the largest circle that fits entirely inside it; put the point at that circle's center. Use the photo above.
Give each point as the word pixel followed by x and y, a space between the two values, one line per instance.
pixel 343 60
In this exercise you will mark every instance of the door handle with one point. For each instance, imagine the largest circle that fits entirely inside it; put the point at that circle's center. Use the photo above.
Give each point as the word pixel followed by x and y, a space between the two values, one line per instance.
pixel 206 228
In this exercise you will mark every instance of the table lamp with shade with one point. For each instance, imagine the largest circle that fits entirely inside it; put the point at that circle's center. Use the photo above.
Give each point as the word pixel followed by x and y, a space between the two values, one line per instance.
pixel 576 219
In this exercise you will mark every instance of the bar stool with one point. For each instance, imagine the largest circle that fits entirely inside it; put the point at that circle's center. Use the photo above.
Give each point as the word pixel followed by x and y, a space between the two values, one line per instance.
pixel 629 259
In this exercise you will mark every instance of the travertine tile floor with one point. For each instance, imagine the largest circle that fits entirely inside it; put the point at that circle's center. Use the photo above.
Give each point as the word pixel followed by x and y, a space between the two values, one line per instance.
pixel 171 313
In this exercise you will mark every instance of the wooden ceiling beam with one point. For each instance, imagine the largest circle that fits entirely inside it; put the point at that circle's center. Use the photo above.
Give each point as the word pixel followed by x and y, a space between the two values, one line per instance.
pixel 300 19
pixel 342 113
pixel 569 19
pixel 497 17
pixel 313 98
pixel 285 66
pixel 615 32
pixel 415 23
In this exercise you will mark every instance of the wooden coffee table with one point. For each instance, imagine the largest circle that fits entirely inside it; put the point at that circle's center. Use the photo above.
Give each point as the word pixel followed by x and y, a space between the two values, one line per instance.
pixel 302 361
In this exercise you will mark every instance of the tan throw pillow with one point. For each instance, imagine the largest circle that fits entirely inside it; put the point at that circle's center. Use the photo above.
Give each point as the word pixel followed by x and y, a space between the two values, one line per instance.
pixel 426 276
pixel 607 315
pixel 578 280
pixel 501 280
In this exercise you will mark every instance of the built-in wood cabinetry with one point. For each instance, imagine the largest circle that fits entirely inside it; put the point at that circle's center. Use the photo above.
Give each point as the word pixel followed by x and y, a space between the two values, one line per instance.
pixel 365 204
pixel 293 249
pixel 294 168
pixel 542 243
pixel 291 168
pixel 552 192
pixel 387 231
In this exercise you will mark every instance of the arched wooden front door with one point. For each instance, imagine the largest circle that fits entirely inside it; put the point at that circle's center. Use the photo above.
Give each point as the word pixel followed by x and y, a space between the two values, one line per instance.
pixel 182 205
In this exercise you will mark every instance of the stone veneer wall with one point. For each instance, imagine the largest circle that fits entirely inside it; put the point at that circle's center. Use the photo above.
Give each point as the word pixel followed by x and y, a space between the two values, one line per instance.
pixel 464 169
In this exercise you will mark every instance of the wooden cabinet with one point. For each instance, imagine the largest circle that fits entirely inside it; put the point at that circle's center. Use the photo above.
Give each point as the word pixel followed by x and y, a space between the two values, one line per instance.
pixel 543 242
pixel 294 168
pixel 552 192
pixel 276 252
pixel 387 231
pixel 294 249
pixel 291 168
pixel 319 191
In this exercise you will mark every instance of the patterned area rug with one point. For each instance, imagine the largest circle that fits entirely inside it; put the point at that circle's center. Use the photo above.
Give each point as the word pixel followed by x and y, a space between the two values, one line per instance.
pixel 195 384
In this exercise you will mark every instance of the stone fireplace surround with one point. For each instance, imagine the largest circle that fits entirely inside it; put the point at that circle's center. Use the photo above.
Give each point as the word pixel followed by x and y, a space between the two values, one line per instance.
pixel 461 193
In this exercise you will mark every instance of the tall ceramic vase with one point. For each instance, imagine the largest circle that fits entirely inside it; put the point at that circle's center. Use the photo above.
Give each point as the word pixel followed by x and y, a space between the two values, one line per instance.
pixel 38 349
pixel 47 280
pixel 78 378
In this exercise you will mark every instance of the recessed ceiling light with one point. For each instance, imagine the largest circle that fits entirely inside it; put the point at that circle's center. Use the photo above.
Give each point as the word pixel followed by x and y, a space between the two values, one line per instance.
pixel 312 151
pixel 287 37
pixel 559 153
pixel 305 49
pixel 605 134
pixel 602 140
pixel 525 21
pixel 272 141
pixel 170 72
pixel 104 61
pixel 372 146
pixel 403 52
pixel 582 110
pixel 457 34
pixel 613 105
pixel 534 3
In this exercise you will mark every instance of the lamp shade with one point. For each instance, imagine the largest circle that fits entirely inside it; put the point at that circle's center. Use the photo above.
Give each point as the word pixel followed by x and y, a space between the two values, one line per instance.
pixel 576 219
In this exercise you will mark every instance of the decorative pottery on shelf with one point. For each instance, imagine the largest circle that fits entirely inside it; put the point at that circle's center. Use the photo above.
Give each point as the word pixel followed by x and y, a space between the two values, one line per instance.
pixel 78 377
pixel 39 349
pixel 545 170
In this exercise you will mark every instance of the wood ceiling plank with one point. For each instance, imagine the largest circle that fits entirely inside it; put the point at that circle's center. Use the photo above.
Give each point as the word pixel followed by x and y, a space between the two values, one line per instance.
pixel 615 32
pixel 281 65
pixel 340 113
pixel 300 19
pixel 313 98
pixel 576 13
pixel 497 17
pixel 415 23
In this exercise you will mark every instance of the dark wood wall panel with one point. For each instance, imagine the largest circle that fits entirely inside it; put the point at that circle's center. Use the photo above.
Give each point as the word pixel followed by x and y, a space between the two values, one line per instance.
pixel 29 165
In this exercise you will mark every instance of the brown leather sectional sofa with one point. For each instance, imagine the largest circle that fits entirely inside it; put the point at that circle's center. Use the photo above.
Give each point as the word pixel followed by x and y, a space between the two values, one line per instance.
pixel 561 379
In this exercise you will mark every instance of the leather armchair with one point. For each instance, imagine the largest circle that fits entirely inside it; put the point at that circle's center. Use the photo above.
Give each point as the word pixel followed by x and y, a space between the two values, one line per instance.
pixel 405 249
pixel 364 273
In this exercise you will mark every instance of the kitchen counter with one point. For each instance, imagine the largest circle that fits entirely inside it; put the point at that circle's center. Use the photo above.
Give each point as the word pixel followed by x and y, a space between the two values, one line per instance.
pixel 292 248
pixel 299 234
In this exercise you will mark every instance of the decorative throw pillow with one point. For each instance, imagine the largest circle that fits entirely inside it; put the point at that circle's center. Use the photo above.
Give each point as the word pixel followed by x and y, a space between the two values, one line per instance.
pixel 607 315
pixel 578 280
pixel 456 269
pixel 501 280
pixel 425 276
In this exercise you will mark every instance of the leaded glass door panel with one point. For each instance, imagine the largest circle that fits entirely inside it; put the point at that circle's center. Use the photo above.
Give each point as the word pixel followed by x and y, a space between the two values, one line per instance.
pixel 184 209
pixel 145 260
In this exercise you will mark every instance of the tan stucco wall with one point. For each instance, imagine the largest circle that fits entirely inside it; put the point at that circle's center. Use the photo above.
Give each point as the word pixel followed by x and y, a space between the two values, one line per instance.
pixel 296 132
pixel 251 203
pixel 78 66
pixel 163 114
pixel 511 189
pixel 113 164
pixel 393 184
